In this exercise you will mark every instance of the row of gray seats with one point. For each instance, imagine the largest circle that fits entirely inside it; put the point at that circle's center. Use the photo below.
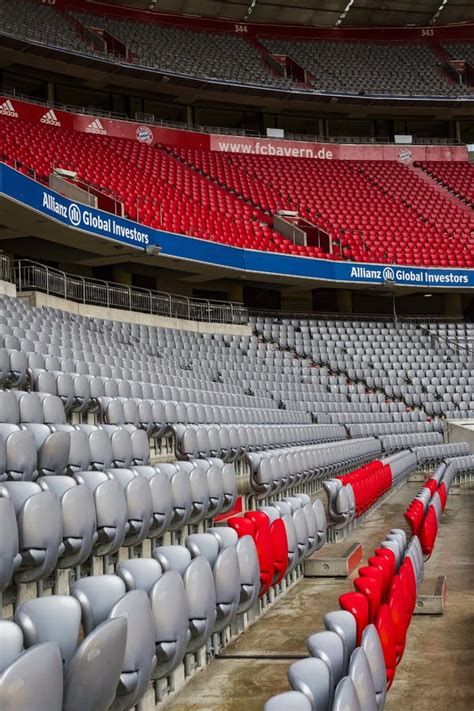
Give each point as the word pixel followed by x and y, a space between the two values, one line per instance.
pixel 230 442
pixel 61 521
pixel 395 442
pixel 431 454
pixel 141 412
pixel 272 472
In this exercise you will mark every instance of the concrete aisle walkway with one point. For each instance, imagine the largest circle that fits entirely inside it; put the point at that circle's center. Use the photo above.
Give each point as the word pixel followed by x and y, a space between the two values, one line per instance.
pixel 437 670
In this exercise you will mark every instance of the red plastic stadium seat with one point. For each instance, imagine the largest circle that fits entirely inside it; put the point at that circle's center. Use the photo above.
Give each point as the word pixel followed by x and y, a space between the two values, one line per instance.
pixel 372 588
pixel 429 531
pixel 357 604
pixel 386 632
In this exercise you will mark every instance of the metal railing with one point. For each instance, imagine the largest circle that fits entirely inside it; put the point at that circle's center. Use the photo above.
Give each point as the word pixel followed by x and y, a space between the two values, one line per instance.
pixel 30 275
pixel 461 347
pixel 6 272
pixel 340 316
pixel 224 130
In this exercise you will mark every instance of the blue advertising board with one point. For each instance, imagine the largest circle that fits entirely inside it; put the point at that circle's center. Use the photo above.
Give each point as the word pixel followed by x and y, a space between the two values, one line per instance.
pixel 24 190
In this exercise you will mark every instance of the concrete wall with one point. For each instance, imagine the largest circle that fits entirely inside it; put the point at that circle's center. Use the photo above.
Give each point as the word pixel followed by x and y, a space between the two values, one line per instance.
pixel 460 431
pixel 36 298
pixel 7 288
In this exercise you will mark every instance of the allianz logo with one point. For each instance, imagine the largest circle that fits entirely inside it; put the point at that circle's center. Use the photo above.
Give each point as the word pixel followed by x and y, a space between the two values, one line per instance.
pixel 410 276
pixel 387 274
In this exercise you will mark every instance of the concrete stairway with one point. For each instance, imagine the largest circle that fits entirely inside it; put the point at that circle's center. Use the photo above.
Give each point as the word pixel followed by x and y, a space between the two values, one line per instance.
pixel 441 189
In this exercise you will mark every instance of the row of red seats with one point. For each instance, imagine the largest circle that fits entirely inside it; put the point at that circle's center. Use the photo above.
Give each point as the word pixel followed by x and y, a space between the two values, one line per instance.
pixel 369 483
pixel 271 544
pixel 385 595
pixel 425 511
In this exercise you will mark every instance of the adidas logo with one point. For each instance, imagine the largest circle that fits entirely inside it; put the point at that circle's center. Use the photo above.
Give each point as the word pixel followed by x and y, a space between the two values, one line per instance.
pixel 50 118
pixel 96 127
pixel 7 109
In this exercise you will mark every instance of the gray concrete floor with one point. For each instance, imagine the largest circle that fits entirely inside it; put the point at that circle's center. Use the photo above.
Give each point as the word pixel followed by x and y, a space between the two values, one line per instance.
pixel 437 670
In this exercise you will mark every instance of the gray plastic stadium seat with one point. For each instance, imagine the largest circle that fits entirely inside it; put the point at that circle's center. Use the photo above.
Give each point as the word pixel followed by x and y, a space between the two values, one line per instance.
pixel 198 482
pixel 100 447
pixel 288 701
pixel 200 590
pixel 181 493
pixel 168 602
pixel 329 648
pixel 345 697
pixel 361 675
pixel 343 623
pixel 40 528
pixel 110 509
pixel 139 503
pixel 215 483
pixel 104 597
pixel 249 568
pixel 162 499
pixel 18 455
pixel 23 683
pixel 225 567
pixel 91 668
pixel 78 514
pixel 312 677
pixel 370 643
pixel 10 558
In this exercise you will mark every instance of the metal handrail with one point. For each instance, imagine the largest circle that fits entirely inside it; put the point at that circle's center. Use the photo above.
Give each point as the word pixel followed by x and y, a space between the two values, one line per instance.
pixel 456 345
pixel 6 272
pixel 29 275
pixel 340 316
pixel 223 130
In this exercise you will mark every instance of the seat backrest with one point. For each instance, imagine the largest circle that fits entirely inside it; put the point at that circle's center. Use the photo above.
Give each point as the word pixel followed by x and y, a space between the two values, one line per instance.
pixel 172 557
pixel 329 647
pixel 312 677
pixel 346 697
pixel 10 558
pixel 361 675
pixel 54 618
pixel 25 676
pixel 288 701
pixel 373 649
pixel 139 573
pixel 344 624
pixel 12 643
pixel 97 595
pixel 204 544
pixel 170 612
